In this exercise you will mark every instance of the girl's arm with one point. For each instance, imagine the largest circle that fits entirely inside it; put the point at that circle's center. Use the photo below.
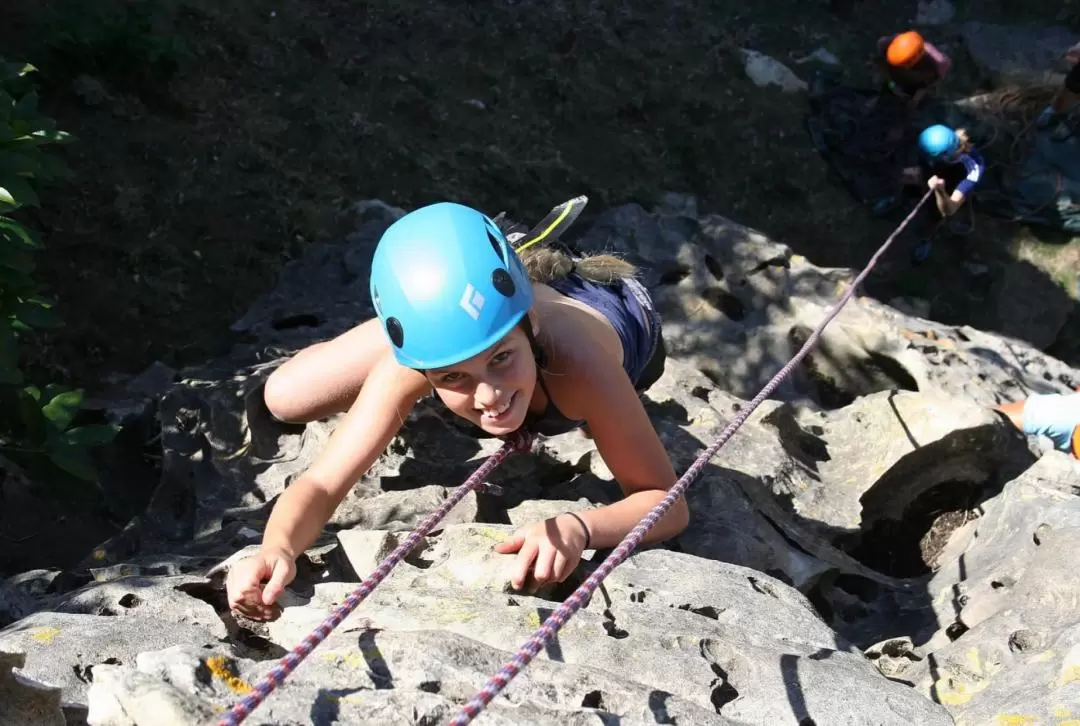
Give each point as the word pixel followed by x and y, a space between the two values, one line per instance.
pixel 949 204
pixel 303 509
pixel 600 392
pixel 955 201
pixel 632 450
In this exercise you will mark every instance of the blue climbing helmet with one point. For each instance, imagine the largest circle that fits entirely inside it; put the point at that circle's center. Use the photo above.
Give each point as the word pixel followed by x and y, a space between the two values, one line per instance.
pixel 446 285
pixel 938 141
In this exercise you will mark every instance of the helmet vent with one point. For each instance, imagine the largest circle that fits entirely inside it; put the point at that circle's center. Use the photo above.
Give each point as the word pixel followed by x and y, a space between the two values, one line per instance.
pixel 502 282
pixel 495 238
pixel 395 331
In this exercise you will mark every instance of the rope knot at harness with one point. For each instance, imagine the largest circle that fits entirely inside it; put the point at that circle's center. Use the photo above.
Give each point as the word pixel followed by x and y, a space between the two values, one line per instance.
pixel 521 441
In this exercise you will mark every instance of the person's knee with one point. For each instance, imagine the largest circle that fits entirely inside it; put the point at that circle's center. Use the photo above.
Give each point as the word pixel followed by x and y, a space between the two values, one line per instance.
pixel 283 396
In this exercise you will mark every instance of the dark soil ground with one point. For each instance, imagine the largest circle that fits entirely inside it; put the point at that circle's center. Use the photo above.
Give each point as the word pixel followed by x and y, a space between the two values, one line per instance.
pixel 217 139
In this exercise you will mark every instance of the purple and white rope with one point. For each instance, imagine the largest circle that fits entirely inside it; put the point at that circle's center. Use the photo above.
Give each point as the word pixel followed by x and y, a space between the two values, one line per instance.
pixel 581 595
pixel 518 442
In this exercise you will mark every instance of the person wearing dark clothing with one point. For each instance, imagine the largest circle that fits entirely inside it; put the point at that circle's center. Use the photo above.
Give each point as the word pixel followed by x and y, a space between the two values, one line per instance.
pixel 953 168
pixel 911 66
pixel 1062 117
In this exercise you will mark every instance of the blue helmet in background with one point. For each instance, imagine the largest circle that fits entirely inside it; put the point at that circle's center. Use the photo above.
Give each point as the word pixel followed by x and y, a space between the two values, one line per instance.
pixel 446 285
pixel 938 141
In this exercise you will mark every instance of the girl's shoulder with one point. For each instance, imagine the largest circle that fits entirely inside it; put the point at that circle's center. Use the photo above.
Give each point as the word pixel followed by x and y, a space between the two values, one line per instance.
pixel 972 158
pixel 578 339
pixel 570 318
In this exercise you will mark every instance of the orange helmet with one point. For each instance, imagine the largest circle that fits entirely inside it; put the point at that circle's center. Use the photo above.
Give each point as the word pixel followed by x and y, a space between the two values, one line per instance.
pixel 1076 442
pixel 906 49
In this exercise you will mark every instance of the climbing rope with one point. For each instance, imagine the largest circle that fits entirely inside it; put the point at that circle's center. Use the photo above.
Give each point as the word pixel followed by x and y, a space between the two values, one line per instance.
pixel 262 689
pixel 580 596
pixel 523 442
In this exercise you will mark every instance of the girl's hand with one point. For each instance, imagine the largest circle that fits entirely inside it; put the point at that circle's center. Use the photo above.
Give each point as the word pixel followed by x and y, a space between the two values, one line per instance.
pixel 936 183
pixel 550 550
pixel 244 584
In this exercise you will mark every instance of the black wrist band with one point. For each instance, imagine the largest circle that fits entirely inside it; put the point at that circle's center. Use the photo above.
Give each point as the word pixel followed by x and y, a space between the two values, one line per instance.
pixel 588 537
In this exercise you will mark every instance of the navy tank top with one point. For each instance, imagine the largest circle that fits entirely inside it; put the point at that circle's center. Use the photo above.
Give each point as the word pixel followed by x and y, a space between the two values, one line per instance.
pixel 627 306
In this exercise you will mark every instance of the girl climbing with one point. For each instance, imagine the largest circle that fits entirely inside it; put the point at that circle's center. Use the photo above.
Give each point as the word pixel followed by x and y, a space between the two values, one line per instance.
pixel 948 160
pixel 504 341
pixel 911 66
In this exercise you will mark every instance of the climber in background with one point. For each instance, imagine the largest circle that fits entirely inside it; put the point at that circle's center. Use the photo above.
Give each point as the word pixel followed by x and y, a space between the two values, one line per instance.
pixel 1058 118
pixel 1054 415
pixel 951 166
pixel 911 66
pixel 505 339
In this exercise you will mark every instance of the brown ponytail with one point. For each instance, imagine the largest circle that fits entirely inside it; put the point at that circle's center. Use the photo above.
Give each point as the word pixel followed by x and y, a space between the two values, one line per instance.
pixel 965 140
pixel 545 264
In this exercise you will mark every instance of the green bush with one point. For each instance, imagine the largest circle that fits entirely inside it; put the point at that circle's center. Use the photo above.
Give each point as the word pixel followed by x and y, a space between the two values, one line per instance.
pixel 36 424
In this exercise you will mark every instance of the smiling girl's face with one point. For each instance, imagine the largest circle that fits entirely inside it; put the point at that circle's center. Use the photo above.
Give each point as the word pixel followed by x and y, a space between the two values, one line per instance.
pixel 492 389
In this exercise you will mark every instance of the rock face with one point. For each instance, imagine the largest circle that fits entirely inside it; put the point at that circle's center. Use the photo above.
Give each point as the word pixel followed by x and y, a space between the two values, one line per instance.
pixel 737 305
pixel 1017 53
pixel 1008 581
pixel 934 12
pixel 765 71
pixel 672 637
pixel 1045 310
pixel 24 700
pixel 849 549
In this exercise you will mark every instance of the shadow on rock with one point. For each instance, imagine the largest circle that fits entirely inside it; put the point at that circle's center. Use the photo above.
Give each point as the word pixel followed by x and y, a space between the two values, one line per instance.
pixel 852 507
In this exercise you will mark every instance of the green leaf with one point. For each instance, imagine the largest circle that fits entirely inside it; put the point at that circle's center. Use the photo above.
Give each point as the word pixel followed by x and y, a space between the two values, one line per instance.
pixel 16 191
pixel 22 70
pixel 15 281
pixel 34 392
pixel 9 344
pixel 42 123
pixel 27 105
pixel 92 435
pixel 52 390
pixel 13 232
pixel 62 409
pixel 15 162
pixel 17 258
pixel 32 418
pixel 50 136
pixel 73 459
pixel 36 315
